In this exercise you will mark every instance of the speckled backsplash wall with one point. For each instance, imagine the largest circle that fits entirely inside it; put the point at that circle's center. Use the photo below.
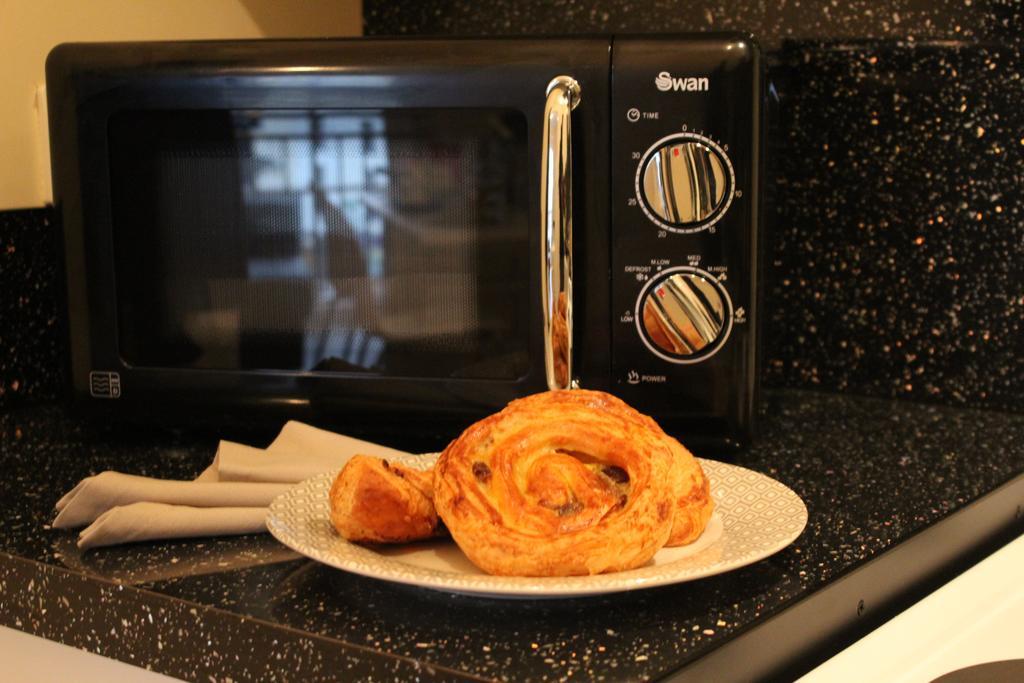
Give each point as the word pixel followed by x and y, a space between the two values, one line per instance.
pixel 773 22
pixel 895 227
pixel 32 340
pixel 897 231
pixel 895 220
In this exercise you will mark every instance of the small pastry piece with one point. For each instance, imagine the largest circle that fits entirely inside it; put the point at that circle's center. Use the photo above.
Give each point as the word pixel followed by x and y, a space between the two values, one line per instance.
pixel 375 501
pixel 558 484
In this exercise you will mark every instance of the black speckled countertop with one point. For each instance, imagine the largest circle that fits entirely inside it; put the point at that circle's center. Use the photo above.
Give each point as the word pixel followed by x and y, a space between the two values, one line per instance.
pixel 873 473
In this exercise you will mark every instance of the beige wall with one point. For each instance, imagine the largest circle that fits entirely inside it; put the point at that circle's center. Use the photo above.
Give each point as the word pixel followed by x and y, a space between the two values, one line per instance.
pixel 30 28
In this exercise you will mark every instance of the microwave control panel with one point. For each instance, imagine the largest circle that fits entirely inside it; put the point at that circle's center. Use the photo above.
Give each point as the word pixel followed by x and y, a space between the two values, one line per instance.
pixel 685 160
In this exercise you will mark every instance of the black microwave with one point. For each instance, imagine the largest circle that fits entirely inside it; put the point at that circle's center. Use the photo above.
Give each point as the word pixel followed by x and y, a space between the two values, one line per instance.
pixel 381 233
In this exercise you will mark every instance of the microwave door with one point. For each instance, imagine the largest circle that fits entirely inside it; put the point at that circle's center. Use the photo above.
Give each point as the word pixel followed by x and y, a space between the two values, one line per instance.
pixel 357 237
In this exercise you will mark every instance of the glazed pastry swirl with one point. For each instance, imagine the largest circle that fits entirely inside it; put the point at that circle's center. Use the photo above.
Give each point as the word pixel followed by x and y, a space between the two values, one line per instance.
pixel 693 503
pixel 561 483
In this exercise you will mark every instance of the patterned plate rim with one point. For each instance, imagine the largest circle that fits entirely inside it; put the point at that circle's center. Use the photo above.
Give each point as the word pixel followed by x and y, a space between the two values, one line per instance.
pixel 744 512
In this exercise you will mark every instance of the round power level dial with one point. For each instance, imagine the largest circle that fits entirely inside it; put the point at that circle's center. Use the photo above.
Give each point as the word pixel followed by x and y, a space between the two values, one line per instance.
pixel 684 315
pixel 685 182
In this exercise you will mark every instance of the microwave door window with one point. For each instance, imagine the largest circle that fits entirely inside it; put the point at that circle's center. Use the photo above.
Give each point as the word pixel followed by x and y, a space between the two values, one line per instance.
pixel 392 242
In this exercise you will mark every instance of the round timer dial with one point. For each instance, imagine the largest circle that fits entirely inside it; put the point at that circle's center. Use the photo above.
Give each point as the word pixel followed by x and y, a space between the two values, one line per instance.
pixel 684 315
pixel 685 182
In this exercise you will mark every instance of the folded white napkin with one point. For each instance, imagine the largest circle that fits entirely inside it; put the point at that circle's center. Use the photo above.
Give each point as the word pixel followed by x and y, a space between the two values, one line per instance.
pixel 230 497
pixel 95 496
pixel 298 453
pixel 151 521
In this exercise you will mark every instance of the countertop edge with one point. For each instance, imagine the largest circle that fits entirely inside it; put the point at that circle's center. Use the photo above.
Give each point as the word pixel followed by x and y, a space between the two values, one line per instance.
pixel 804 634
pixel 176 637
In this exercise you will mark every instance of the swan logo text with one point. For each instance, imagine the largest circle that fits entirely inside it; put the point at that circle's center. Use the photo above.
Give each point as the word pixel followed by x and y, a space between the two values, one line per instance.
pixel 665 82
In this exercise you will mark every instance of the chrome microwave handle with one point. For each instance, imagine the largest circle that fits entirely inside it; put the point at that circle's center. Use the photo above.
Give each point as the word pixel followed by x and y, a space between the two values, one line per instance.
pixel 563 94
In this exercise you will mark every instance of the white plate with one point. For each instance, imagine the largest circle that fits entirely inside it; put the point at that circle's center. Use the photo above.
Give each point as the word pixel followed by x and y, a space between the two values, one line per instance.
pixel 755 516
